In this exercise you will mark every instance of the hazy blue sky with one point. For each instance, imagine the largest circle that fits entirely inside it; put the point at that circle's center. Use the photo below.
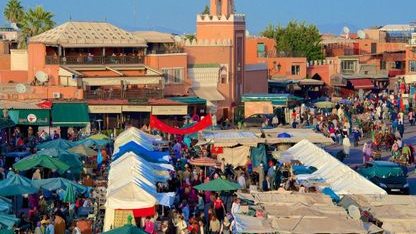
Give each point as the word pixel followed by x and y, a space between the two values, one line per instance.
pixel 179 15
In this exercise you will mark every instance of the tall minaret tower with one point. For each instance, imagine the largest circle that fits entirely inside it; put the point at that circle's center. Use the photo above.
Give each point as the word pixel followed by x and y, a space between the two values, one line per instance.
pixel 223 24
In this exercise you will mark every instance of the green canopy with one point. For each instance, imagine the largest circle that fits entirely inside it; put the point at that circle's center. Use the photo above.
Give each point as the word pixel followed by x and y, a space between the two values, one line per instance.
pixel 71 159
pixel 15 184
pixel 41 161
pixel 38 117
pixel 83 150
pixel 53 184
pixel 324 105
pixel 58 143
pixel 218 185
pixel 70 194
pixel 126 229
pixel 99 136
pixel 70 114
pixel 6 123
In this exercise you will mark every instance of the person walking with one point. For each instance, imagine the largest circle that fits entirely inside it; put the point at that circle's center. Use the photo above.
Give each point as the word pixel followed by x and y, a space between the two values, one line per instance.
pixel 346 145
pixel 410 116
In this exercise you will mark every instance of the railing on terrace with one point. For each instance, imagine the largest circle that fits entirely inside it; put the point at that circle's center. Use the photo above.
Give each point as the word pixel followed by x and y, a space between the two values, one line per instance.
pixel 128 94
pixel 166 51
pixel 93 60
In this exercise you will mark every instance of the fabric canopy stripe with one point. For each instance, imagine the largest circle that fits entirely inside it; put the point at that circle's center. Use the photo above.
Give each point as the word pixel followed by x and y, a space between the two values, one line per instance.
pixel 201 125
pixel 70 114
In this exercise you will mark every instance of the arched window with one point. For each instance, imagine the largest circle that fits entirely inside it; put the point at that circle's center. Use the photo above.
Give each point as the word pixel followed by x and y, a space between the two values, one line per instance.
pixel 223 75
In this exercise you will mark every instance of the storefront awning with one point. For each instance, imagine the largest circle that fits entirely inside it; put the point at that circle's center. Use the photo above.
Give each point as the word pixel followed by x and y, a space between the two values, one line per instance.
pixel 38 117
pixel 362 84
pixel 209 93
pixel 70 114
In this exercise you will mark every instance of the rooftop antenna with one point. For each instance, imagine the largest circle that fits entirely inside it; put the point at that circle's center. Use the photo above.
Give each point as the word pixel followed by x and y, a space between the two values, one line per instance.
pixel 346 32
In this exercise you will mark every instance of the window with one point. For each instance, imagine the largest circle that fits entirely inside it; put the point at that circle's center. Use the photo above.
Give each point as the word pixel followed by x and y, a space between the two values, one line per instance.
pixel 223 75
pixel 173 75
pixel 373 48
pixel 348 66
pixel 412 66
pixel 295 70
pixel 261 50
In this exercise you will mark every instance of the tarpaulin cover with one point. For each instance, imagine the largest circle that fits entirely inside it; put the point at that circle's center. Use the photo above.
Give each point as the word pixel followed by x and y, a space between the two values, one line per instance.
pixel 201 125
pixel 248 224
pixel 284 135
pixel 235 156
pixel 258 155
pixel 341 178
pixel 151 156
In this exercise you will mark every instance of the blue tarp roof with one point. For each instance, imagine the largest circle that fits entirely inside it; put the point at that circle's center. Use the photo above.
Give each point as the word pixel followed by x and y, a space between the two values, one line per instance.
pixel 151 156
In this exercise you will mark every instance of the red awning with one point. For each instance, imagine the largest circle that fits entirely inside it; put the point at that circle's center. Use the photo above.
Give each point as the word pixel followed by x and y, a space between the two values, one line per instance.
pixel 362 84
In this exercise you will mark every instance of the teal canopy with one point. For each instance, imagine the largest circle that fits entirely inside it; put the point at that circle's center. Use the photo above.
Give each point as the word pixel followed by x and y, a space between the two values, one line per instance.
pixel 7 221
pixel 91 142
pixel 5 204
pixel 258 155
pixel 15 185
pixel 58 143
pixel 190 100
pixel 53 184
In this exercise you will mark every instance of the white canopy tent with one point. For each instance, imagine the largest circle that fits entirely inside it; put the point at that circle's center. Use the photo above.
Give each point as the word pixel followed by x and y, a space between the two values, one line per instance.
pixel 134 134
pixel 340 178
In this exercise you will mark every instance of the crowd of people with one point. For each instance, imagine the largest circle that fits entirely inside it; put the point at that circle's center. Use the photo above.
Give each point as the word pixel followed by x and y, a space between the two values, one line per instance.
pixel 377 121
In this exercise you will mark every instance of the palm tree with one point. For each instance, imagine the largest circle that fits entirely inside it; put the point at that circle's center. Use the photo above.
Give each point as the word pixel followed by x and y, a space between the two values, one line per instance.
pixel 35 22
pixel 14 12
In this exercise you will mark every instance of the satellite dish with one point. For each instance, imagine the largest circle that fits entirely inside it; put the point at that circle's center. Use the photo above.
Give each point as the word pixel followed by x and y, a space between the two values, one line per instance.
pixel 354 212
pixel 41 76
pixel 346 30
pixel 361 34
pixel 21 88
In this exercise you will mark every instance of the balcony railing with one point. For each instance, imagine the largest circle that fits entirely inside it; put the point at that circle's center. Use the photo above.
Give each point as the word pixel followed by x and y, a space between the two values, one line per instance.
pixel 143 94
pixel 93 60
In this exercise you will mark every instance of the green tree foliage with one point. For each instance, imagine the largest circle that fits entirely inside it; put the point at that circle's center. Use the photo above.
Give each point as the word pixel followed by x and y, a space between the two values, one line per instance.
pixel 35 21
pixel 297 39
pixel 206 10
pixel 14 11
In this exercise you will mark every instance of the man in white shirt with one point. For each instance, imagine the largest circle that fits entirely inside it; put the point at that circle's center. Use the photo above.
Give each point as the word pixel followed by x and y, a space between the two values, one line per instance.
pixel 242 180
